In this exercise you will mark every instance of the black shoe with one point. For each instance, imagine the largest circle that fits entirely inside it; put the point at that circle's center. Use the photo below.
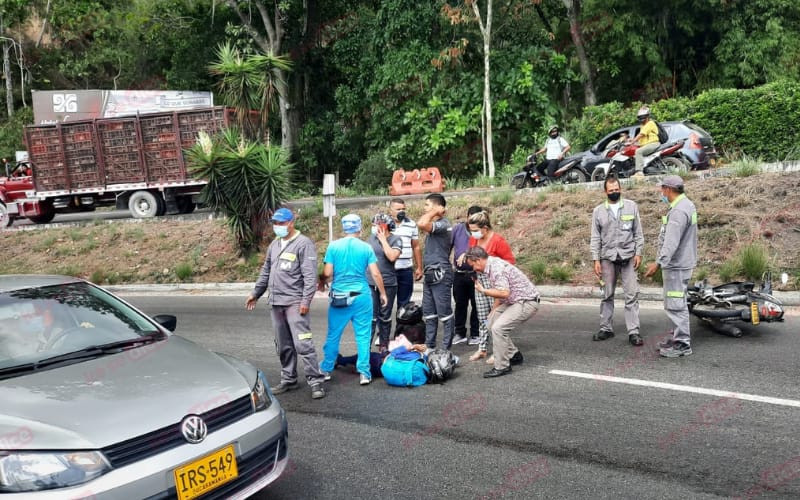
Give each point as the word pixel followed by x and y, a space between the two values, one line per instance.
pixel 283 387
pixel 635 339
pixel 602 335
pixel 517 358
pixel 494 372
pixel 317 391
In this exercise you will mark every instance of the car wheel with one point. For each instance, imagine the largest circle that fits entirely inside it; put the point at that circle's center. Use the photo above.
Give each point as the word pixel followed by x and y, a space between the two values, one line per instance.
pixel 144 204
pixel 674 164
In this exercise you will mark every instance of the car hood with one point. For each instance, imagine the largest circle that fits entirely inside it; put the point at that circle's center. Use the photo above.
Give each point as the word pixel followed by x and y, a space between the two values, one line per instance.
pixel 103 401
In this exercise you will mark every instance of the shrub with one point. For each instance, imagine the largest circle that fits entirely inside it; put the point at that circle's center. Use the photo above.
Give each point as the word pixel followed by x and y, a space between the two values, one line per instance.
pixel 538 269
pixel 753 261
pixel 559 226
pixel 561 273
pixel 184 270
pixel 746 166
pixel 728 270
pixel 373 173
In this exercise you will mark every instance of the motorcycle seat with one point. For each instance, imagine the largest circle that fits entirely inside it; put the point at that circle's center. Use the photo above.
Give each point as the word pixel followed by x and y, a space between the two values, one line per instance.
pixel 667 145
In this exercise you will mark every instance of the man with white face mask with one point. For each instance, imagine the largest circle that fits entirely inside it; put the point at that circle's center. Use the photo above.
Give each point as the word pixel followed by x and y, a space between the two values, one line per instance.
pixel 290 273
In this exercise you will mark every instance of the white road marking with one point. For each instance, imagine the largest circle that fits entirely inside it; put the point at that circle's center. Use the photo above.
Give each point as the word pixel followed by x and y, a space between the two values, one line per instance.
pixel 682 388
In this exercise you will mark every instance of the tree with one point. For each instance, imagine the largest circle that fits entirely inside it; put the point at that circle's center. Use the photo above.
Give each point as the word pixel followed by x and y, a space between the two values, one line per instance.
pixel 247 180
pixel 574 16
pixel 11 12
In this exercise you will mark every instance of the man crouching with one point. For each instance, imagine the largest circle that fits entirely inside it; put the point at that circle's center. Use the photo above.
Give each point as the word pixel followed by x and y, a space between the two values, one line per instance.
pixel 515 300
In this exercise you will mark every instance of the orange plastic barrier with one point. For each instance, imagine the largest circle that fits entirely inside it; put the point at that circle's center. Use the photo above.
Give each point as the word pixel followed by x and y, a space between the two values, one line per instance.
pixel 425 180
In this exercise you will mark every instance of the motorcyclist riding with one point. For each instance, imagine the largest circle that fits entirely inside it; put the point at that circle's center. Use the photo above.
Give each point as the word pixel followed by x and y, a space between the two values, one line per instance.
pixel 556 147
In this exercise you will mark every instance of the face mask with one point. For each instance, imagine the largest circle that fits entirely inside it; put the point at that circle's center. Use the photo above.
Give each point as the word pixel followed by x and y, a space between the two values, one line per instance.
pixel 281 231
pixel 613 197
pixel 476 234
pixel 374 229
pixel 664 199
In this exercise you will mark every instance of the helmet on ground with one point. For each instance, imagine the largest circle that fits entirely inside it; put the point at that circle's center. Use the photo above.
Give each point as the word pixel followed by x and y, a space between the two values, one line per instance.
pixel 644 112
pixel 441 363
pixel 386 219
pixel 409 314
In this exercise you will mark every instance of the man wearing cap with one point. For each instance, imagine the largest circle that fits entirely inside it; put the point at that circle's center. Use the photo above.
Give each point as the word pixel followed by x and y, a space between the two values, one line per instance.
pixel 616 244
pixel 677 257
pixel 647 139
pixel 437 286
pixel 290 273
pixel 347 261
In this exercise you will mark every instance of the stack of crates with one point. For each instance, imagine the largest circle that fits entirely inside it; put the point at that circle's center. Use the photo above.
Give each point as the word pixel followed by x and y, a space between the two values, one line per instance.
pixel 44 144
pixel 120 150
pixel 80 155
pixel 161 149
pixel 190 123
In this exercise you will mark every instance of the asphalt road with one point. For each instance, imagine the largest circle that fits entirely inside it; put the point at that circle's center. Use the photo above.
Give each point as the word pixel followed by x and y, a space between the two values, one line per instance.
pixel 534 433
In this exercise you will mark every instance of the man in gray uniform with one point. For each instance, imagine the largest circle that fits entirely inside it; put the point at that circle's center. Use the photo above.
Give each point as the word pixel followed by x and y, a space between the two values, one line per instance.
pixel 616 245
pixel 290 273
pixel 437 287
pixel 677 257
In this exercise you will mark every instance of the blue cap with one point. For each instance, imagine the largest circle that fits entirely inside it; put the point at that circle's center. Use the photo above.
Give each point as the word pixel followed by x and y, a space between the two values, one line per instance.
pixel 283 215
pixel 351 223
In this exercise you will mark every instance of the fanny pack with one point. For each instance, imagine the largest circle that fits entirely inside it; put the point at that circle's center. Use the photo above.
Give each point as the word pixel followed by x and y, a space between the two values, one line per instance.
pixel 342 299
pixel 434 275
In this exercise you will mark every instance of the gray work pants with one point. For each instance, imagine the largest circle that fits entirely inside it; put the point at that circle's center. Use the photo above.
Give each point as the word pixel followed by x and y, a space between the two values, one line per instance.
pixel 676 283
pixel 630 285
pixel 502 322
pixel 643 151
pixel 437 306
pixel 293 338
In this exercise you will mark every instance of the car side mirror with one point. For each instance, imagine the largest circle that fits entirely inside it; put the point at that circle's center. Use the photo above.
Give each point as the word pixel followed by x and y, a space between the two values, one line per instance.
pixel 168 321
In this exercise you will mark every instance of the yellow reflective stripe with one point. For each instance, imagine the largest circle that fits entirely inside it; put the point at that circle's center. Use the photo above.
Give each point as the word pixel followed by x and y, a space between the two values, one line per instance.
pixel 626 217
pixel 664 220
pixel 694 217
pixel 304 336
pixel 671 294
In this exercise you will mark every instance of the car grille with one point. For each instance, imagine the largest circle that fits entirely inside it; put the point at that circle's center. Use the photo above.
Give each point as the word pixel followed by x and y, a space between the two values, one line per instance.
pixel 252 467
pixel 169 437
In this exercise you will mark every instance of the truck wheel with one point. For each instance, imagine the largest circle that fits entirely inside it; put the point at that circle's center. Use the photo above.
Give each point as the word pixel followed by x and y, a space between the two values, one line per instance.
pixel 48 212
pixel 162 205
pixel 5 219
pixel 143 205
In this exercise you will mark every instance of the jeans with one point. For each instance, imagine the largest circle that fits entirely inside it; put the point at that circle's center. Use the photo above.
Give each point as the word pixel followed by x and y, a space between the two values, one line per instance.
pixel 405 285
pixel 464 297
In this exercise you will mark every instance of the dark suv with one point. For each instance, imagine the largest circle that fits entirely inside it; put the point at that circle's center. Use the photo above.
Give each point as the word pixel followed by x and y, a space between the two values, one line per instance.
pixel 698 148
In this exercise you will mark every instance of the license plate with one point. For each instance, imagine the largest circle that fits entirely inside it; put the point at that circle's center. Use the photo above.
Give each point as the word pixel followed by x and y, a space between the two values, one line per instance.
pixel 205 474
pixel 754 313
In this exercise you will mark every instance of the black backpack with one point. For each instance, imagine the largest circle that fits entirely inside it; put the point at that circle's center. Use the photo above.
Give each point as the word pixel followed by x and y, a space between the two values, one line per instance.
pixel 663 136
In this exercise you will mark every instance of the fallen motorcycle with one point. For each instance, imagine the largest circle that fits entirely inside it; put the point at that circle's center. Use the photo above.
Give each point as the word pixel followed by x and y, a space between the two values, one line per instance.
pixel 722 305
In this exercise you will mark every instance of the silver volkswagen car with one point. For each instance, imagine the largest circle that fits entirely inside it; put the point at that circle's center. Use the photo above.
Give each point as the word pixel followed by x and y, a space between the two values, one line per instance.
pixel 98 400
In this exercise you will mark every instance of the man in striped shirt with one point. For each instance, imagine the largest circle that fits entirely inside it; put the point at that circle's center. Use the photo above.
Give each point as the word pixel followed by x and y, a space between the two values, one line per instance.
pixel 409 265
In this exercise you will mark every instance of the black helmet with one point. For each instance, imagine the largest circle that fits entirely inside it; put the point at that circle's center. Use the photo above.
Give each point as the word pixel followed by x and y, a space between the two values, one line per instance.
pixel 384 219
pixel 409 314
pixel 441 363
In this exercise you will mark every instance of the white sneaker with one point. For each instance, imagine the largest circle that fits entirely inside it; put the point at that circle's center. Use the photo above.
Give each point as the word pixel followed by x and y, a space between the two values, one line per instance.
pixel 327 376
pixel 365 380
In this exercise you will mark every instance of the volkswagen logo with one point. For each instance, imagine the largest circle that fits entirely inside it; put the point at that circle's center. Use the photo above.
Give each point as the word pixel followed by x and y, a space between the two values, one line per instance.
pixel 194 429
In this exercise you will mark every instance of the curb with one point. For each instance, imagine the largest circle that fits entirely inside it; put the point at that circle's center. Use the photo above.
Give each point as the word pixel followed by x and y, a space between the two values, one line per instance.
pixel 549 292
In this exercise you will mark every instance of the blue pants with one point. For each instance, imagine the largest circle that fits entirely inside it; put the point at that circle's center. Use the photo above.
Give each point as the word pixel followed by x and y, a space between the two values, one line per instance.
pixel 360 313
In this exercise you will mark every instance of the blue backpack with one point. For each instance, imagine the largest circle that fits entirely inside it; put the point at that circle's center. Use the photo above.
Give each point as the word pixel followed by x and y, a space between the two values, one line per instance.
pixel 403 368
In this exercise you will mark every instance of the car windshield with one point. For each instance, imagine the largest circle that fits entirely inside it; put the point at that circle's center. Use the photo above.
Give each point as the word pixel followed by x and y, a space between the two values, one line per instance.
pixel 40 323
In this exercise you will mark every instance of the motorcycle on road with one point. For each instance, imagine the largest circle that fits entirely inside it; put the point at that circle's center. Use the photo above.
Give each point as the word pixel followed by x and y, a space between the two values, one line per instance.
pixel 622 164
pixel 569 171
pixel 737 301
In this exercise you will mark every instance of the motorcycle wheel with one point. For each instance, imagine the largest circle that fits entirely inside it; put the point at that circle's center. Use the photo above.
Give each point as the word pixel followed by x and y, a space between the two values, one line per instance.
pixel 598 174
pixel 674 164
pixel 574 176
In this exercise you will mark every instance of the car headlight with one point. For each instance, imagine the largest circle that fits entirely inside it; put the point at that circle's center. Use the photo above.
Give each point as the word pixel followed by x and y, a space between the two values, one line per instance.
pixel 34 471
pixel 260 395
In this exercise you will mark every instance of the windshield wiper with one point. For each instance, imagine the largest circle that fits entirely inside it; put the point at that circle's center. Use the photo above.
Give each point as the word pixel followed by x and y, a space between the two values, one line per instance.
pixel 85 353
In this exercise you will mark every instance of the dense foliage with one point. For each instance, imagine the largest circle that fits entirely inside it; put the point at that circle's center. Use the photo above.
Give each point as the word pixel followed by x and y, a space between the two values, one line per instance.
pixel 380 84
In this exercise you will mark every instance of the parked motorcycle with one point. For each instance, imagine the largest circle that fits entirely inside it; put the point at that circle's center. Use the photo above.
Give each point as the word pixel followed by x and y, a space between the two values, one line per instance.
pixel 570 171
pixel 622 164
pixel 722 305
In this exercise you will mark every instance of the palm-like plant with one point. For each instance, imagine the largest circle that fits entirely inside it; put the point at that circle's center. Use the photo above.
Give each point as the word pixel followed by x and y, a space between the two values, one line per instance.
pixel 247 181
pixel 248 83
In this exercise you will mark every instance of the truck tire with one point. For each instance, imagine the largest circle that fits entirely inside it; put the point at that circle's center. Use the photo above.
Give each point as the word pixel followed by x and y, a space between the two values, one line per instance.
pixel 5 219
pixel 185 204
pixel 47 215
pixel 143 204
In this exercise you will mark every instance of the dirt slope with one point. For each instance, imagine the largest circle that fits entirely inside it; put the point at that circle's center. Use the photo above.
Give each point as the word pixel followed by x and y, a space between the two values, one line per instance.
pixel 549 232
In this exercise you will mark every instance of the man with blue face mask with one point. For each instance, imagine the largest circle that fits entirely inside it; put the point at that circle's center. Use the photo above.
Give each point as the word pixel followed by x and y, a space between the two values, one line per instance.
pixel 290 273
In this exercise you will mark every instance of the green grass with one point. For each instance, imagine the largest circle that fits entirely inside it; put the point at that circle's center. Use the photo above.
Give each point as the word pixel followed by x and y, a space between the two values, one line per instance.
pixel 728 270
pixel 135 234
pixel 700 274
pixel 45 244
pixel 561 274
pixel 184 270
pixel 538 269
pixel 753 261
pixel 76 234
pixel 87 247
pixel 559 226
pixel 541 197
pixel 501 198
pixel 746 166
